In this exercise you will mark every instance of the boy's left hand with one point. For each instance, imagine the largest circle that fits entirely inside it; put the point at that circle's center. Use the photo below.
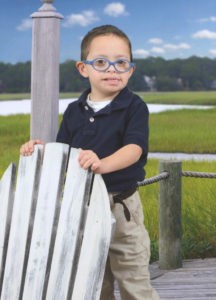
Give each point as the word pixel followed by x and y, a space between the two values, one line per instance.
pixel 89 159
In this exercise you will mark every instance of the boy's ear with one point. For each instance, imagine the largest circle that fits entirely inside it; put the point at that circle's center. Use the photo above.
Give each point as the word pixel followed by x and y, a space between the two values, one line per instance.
pixel 132 70
pixel 81 67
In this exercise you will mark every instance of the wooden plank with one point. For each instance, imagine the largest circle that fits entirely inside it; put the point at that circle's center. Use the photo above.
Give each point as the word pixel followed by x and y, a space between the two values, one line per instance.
pixel 6 202
pixel 95 245
pixel 46 218
pixel 196 280
pixel 28 173
pixel 68 229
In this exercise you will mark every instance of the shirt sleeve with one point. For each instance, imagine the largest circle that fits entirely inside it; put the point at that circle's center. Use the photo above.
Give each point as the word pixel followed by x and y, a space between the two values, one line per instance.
pixel 137 127
pixel 63 135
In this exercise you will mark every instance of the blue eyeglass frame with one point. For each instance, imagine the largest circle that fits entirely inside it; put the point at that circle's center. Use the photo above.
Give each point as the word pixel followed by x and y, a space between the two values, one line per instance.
pixel 111 63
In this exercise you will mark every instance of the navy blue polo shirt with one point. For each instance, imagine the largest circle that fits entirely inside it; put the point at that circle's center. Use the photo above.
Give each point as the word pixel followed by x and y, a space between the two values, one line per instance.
pixel 124 121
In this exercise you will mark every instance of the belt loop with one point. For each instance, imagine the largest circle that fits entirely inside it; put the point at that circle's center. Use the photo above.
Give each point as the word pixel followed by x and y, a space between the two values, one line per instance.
pixel 126 210
pixel 122 196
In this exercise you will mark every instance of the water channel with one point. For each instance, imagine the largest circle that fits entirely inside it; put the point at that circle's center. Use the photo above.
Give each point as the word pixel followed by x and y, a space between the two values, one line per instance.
pixel 24 107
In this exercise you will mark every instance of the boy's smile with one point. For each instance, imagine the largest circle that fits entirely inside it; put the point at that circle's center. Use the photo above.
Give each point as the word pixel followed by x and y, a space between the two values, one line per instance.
pixel 112 80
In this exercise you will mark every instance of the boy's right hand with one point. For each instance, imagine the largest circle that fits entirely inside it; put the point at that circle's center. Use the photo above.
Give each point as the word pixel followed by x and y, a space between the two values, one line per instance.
pixel 28 148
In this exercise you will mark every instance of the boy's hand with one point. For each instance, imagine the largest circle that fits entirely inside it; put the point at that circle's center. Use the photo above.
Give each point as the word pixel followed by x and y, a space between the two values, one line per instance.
pixel 28 148
pixel 89 159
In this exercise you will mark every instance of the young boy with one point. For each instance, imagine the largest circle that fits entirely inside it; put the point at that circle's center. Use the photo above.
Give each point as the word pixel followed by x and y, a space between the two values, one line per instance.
pixel 110 125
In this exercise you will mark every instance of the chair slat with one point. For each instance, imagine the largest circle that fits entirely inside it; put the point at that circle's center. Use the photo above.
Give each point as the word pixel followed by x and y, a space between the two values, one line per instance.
pixel 95 245
pixel 26 190
pixel 49 196
pixel 7 185
pixel 68 230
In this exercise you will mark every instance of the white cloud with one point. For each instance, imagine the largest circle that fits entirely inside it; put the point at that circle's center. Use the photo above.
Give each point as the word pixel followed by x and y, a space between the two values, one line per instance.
pixel 157 50
pixel 83 19
pixel 25 25
pixel 170 46
pixel 184 46
pixel 212 51
pixel 141 53
pixel 210 19
pixel 177 46
pixel 204 34
pixel 160 50
pixel 156 41
pixel 115 9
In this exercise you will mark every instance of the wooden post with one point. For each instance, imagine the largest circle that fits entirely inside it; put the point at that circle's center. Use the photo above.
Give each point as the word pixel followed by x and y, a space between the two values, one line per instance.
pixel 45 72
pixel 170 253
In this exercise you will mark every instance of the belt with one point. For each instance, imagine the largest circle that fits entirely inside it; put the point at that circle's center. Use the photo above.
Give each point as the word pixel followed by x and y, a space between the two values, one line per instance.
pixel 122 196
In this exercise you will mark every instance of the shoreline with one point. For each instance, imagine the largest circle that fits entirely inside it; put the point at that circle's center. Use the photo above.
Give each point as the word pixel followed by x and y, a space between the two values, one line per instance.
pixel 14 107
pixel 182 156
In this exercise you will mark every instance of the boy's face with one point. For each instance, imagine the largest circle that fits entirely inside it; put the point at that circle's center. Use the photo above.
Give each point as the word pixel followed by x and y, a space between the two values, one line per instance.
pixel 107 84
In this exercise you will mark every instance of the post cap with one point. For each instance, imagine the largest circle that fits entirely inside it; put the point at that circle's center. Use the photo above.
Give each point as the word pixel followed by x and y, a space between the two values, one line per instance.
pixel 47 1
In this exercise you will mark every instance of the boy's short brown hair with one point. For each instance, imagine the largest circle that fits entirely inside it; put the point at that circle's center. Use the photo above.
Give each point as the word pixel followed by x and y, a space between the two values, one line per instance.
pixel 102 30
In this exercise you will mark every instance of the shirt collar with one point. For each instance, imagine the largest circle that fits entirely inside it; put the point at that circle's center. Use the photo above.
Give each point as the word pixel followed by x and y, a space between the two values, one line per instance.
pixel 121 101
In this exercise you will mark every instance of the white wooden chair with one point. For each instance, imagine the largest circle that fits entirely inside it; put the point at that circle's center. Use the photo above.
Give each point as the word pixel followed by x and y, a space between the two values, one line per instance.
pixel 55 228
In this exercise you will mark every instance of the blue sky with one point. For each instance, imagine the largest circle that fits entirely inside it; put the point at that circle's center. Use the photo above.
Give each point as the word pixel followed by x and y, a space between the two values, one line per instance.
pixel 165 28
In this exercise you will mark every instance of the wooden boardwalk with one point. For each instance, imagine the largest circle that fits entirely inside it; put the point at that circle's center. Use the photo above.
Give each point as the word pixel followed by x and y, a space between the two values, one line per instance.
pixel 195 281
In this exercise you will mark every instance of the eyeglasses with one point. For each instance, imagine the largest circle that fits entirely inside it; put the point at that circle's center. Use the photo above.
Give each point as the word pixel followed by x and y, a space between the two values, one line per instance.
pixel 102 64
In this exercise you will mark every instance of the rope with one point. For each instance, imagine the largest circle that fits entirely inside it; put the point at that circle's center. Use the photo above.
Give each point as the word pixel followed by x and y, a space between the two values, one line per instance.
pixel 165 175
pixel 156 178
pixel 198 174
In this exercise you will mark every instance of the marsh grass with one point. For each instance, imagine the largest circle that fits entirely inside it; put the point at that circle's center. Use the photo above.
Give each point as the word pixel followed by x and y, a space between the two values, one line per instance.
pixel 199 211
pixel 13 132
pixel 15 96
pixel 188 97
pixel 189 131
pixel 21 96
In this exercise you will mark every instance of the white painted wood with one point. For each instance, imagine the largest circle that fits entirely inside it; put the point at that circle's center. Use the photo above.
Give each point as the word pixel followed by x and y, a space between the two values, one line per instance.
pixel 40 265
pixel 6 203
pixel 68 229
pixel 95 245
pixel 52 176
pixel 21 218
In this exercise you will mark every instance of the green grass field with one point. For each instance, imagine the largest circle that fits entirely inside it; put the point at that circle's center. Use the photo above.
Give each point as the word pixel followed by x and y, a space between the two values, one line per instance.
pixel 193 98
pixel 173 131
pixel 191 131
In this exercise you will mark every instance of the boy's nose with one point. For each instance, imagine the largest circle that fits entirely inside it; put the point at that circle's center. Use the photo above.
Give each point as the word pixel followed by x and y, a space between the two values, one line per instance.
pixel 111 68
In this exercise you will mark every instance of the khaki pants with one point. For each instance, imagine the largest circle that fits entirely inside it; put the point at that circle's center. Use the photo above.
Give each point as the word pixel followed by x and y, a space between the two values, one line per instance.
pixel 129 255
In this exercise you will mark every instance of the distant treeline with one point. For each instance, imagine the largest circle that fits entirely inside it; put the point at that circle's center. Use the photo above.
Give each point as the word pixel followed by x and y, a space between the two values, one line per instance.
pixel 154 74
